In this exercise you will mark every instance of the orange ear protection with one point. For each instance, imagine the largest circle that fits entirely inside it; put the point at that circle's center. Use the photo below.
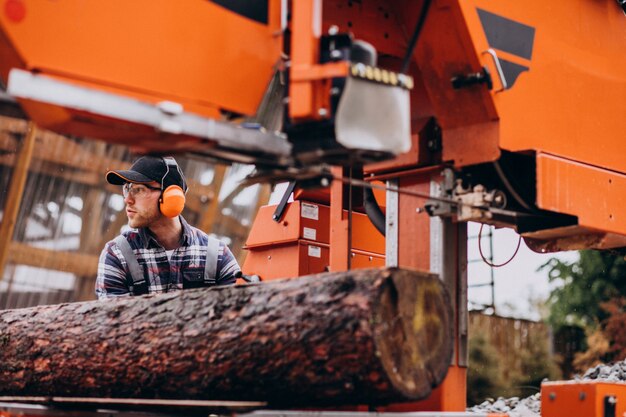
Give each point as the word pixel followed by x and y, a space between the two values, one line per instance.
pixel 172 201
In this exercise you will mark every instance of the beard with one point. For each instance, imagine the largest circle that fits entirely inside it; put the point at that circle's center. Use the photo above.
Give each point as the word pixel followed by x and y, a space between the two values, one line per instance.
pixel 144 218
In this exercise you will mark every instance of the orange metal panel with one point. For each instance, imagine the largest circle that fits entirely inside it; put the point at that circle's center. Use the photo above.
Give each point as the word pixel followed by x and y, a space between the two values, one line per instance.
pixel 361 260
pixel 414 235
pixel 322 195
pixel 301 98
pixel 193 52
pixel 372 21
pixel 305 32
pixel 446 50
pixel 316 195
pixel 315 257
pixel 300 258
pixel 266 263
pixel 449 396
pixel 566 75
pixel 287 261
pixel 594 195
pixel 365 237
pixel 406 160
pixel 320 72
pixel 581 398
pixel 442 54
pixel 472 144
pixel 9 56
pixel 310 221
pixel 298 216
pixel 568 101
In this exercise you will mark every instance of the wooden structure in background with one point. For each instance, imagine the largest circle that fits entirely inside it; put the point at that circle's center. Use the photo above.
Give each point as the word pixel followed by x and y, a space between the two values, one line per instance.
pixel 509 336
pixel 43 170
pixel 14 196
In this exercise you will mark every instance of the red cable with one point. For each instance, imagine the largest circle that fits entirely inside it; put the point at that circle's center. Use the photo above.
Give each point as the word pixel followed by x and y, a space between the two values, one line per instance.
pixel 480 250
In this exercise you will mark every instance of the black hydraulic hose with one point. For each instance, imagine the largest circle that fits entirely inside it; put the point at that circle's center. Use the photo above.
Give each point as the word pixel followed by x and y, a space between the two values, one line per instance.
pixel 510 188
pixel 373 210
pixel 416 33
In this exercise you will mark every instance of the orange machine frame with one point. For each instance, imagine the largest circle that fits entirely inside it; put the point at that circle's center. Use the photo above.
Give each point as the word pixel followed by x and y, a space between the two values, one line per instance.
pixel 172 56
pixel 583 399
pixel 478 124
pixel 555 98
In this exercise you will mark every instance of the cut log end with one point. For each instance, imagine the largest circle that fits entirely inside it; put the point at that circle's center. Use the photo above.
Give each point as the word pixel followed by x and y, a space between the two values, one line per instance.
pixel 414 335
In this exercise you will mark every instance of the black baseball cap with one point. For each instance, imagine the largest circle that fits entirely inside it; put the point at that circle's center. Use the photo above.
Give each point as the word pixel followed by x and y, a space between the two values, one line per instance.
pixel 147 169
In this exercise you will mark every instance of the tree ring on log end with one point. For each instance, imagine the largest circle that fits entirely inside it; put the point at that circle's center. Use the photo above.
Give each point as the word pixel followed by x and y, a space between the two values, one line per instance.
pixel 414 332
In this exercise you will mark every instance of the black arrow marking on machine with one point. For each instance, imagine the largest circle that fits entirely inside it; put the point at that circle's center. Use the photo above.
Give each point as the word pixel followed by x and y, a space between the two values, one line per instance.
pixel 511 37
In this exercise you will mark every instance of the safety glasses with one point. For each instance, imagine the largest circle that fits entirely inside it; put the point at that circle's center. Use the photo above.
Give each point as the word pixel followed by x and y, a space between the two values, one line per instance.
pixel 137 190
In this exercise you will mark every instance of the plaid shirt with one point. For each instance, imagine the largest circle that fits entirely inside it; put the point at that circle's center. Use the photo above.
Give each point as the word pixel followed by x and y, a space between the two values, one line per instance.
pixel 186 265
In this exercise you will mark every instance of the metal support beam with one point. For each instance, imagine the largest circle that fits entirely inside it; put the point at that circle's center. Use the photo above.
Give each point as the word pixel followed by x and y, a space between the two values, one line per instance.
pixel 448 259
pixel 391 225
pixel 339 241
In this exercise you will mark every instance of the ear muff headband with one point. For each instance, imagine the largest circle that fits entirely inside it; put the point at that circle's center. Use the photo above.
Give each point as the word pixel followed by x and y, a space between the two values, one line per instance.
pixel 172 201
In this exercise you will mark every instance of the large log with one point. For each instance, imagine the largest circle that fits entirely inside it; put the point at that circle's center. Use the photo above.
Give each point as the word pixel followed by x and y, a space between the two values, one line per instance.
pixel 359 337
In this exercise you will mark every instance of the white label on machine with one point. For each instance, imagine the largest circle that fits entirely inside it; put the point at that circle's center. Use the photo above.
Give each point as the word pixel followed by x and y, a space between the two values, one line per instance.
pixel 309 211
pixel 315 251
pixel 309 233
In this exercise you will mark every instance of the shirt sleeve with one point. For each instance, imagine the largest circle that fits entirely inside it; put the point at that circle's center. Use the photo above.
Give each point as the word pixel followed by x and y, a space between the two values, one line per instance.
pixel 227 267
pixel 111 278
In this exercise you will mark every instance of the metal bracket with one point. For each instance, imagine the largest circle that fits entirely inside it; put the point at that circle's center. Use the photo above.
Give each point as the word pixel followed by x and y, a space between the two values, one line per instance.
pixel 164 116
pixel 253 279
pixel 444 189
pixel 391 229
pixel 496 61
pixel 467 80
pixel 280 209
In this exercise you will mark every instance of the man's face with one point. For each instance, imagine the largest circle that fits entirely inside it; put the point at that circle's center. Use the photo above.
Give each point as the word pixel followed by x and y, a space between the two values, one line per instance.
pixel 142 204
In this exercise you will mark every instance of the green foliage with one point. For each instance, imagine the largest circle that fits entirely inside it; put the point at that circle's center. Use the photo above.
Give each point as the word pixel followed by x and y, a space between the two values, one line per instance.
pixel 484 374
pixel 583 285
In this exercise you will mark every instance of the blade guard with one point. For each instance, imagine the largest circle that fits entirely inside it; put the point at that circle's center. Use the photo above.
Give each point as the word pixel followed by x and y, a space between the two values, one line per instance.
pixel 373 116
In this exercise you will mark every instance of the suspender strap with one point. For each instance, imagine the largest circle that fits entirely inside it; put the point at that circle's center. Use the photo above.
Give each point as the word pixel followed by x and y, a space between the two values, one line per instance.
pixel 210 267
pixel 136 273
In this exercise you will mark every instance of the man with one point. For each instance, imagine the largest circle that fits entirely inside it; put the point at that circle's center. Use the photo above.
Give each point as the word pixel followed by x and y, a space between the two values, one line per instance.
pixel 162 253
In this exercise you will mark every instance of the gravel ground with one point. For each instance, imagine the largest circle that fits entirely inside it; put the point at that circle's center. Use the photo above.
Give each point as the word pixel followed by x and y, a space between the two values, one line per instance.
pixel 531 406
pixel 526 407
pixel 613 372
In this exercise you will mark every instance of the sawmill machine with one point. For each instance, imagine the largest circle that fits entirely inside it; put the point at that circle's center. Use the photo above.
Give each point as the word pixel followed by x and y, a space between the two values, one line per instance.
pixel 500 112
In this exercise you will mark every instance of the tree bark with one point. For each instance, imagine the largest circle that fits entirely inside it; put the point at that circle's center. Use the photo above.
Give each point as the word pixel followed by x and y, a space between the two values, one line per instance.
pixel 358 337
